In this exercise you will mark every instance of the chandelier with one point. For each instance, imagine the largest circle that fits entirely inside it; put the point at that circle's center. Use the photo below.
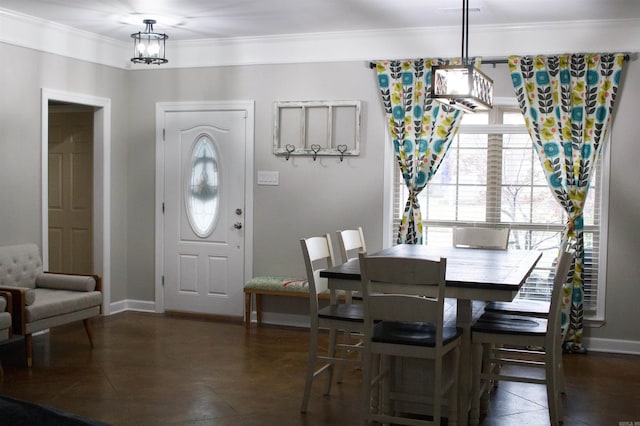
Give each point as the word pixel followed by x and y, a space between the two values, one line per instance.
pixel 462 86
pixel 149 47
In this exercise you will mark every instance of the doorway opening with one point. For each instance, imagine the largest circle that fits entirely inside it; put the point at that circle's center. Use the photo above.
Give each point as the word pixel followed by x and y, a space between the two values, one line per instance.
pixel 99 202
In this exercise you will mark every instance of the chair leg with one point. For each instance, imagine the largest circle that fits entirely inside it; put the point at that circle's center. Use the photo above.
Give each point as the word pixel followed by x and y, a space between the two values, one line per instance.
pixel 384 404
pixel 437 392
pixel 486 368
pixel 28 347
pixel 346 335
pixel 553 391
pixel 367 378
pixel 562 388
pixel 476 387
pixel 453 392
pixel 258 309
pixel 89 329
pixel 247 310
pixel 311 366
pixel 331 352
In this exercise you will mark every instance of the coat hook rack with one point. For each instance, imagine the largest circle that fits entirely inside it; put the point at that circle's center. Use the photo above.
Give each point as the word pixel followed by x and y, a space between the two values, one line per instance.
pixel 316 128
pixel 315 148
pixel 342 149
pixel 290 148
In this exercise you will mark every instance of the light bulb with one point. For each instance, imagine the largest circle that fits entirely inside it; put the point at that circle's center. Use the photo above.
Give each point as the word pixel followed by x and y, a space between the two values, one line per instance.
pixel 153 49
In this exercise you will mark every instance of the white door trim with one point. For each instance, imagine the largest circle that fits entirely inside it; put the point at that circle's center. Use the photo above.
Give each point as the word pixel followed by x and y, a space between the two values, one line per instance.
pixel 101 182
pixel 161 109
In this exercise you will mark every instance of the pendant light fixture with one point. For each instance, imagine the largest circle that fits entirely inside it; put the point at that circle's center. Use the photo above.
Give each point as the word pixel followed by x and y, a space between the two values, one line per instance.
pixel 462 86
pixel 149 47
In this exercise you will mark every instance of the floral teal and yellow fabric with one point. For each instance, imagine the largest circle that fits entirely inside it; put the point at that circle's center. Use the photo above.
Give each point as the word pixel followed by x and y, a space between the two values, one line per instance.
pixel 567 101
pixel 421 130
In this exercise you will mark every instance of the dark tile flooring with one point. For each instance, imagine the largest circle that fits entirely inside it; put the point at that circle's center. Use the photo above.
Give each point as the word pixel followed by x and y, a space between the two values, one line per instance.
pixel 149 369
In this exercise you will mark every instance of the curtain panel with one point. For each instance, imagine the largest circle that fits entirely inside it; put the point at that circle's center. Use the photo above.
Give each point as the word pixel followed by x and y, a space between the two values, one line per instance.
pixel 567 103
pixel 421 130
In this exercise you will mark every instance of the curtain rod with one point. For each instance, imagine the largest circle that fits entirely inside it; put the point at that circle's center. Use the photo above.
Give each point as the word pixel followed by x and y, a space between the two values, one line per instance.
pixel 496 61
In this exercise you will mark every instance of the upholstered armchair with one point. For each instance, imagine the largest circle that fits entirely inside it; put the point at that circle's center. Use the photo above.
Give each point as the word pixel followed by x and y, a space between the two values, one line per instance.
pixel 42 300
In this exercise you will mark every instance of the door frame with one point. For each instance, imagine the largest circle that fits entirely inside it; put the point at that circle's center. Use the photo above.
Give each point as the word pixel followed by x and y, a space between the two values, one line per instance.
pixel 161 109
pixel 101 182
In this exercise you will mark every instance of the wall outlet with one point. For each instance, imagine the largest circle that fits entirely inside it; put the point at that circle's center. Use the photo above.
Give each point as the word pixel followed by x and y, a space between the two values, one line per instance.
pixel 267 177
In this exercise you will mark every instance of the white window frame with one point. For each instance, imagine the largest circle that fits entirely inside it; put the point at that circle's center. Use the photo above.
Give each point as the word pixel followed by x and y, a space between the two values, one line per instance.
pixel 592 318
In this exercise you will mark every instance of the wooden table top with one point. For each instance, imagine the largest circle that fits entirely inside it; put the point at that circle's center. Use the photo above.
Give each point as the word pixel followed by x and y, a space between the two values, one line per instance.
pixel 466 267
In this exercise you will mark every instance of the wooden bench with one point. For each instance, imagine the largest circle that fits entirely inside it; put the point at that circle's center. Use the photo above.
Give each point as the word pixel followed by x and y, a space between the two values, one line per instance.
pixel 273 286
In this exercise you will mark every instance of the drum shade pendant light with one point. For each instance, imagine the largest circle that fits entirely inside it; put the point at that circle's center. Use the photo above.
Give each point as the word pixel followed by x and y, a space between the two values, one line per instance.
pixel 149 47
pixel 462 86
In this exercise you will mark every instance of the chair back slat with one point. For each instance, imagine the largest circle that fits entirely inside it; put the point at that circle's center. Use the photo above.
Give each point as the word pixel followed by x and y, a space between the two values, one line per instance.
pixel 403 289
pixel 481 237
pixel 318 255
pixel 351 242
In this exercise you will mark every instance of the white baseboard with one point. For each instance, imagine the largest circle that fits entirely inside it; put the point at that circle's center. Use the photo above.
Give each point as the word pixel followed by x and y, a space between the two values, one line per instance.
pixel 132 305
pixel 630 347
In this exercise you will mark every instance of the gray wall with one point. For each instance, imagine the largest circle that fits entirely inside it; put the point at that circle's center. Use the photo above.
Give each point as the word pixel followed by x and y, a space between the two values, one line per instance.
pixel 312 198
pixel 23 74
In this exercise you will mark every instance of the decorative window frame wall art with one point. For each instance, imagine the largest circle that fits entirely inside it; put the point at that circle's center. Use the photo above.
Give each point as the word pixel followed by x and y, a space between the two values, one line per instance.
pixel 316 128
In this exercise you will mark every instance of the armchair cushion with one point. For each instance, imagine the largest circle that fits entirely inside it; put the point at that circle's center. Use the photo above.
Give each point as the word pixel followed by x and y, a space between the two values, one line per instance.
pixel 5 319
pixel 52 302
pixel 66 282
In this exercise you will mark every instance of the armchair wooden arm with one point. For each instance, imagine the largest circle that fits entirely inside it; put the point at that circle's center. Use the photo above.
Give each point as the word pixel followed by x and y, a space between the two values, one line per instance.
pixel 9 298
pixel 16 304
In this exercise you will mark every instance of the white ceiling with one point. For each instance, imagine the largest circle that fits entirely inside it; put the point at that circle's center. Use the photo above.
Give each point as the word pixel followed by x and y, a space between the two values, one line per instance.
pixel 211 19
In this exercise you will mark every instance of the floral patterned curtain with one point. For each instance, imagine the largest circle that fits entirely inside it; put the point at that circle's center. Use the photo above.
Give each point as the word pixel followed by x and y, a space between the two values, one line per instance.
pixel 421 129
pixel 567 101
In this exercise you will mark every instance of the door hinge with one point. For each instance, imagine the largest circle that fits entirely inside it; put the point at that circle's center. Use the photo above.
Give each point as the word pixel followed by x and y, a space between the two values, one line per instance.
pixel 164 132
pixel 163 281
pixel 163 207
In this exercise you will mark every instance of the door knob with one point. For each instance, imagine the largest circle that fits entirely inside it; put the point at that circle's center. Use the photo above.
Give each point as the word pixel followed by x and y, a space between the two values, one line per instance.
pixel 237 225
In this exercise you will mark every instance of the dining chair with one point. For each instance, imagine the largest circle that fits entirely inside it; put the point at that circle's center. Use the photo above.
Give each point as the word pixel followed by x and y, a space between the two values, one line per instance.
pixel 481 237
pixel 404 318
pixel 525 342
pixel 351 242
pixel 337 318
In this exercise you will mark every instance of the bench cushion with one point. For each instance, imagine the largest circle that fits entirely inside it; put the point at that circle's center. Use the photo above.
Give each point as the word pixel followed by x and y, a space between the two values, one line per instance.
pixel 278 284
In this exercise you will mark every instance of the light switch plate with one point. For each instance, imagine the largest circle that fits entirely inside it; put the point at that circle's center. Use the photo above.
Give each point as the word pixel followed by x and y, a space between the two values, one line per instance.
pixel 268 177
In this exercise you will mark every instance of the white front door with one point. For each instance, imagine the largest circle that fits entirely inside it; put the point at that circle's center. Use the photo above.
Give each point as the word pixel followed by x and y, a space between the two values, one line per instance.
pixel 204 210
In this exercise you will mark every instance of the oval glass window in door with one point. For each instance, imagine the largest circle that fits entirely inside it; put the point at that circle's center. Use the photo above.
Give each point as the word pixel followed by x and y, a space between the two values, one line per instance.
pixel 202 182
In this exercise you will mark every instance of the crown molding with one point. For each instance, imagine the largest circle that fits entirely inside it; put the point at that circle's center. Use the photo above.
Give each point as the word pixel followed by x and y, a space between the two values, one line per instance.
pixel 489 41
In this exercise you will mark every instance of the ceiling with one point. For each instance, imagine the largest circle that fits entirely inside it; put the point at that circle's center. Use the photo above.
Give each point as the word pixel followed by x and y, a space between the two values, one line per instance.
pixel 211 19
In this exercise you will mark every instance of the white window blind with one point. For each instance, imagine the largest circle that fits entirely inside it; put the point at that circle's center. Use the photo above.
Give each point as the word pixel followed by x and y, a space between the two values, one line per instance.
pixel 491 175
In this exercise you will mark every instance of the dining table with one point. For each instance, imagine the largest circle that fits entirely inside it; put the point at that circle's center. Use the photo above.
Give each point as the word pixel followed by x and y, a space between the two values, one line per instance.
pixel 471 274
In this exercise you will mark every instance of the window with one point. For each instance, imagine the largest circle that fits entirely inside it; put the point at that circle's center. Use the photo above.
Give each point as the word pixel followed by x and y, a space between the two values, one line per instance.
pixel 491 175
pixel 202 184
